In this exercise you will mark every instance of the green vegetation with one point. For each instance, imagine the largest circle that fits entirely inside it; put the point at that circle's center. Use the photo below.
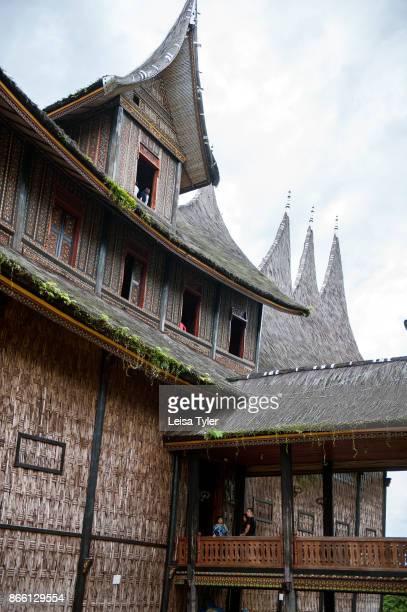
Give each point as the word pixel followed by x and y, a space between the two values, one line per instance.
pixel 395 603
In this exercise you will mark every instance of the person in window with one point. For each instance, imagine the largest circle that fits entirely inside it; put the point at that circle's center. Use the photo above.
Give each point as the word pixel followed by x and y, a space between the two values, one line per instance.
pixel 144 195
pixel 250 529
pixel 219 529
pixel 244 523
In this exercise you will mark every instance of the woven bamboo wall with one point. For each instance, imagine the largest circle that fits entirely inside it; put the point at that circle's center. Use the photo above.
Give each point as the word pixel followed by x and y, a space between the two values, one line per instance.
pixel 11 150
pixel 47 378
pixel 134 482
pixel 141 570
pixel 45 180
pixel 92 136
pixel 182 275
pixel 121 238
pixel 132 135
pixel 37 563
pixel 229 299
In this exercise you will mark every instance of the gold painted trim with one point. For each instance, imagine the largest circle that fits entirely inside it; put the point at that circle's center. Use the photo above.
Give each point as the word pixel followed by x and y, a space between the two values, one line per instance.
pixel 61 110
pixel 46 306
pixel 276 439
pixel 170 245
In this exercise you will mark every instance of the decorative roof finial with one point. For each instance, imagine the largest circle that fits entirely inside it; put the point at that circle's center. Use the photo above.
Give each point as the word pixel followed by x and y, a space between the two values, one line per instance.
pixel 288 203
pixel 311 218
pixel 336 224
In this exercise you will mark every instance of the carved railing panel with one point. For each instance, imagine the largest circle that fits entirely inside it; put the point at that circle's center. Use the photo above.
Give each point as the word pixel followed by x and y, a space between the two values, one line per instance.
pixel 234 552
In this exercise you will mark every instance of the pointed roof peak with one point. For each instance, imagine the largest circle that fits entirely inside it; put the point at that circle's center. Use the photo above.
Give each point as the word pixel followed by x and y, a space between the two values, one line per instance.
pixel 276 264
pixel 306 281
pixel 334 271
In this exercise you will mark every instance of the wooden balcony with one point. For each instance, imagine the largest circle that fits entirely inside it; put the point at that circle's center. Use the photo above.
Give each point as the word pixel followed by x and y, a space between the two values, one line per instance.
pixel 347 554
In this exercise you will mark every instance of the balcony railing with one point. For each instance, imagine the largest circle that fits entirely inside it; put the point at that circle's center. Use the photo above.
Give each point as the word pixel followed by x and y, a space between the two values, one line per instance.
pixel 363 554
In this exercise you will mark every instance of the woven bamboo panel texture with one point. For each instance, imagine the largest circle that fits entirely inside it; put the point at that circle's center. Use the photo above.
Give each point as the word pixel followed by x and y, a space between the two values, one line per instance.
pixel 48 388
pixel 10 160
pixel 92 136
pixel 37 563
pixel 134 482
pixel 141 570
pixel 371 504
pixel 257 600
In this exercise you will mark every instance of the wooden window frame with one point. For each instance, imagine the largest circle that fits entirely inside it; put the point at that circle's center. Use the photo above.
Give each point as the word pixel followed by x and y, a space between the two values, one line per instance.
pixel 243 338
pixel 154 161
pixel 73 206
pixel 38 468
pixel 142 257
pixel 197 320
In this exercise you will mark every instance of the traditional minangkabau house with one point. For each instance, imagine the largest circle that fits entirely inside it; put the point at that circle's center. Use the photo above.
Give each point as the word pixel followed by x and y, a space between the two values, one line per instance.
pixel 99 511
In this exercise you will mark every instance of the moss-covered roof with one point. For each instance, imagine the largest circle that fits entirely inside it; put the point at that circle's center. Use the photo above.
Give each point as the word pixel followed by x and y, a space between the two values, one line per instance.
pixel 155 352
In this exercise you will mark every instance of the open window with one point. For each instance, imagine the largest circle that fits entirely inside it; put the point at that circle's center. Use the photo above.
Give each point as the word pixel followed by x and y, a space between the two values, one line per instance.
pixel 148 168
pixel 134 278
pixel 237 335
pixel 191 306
pixel 63 234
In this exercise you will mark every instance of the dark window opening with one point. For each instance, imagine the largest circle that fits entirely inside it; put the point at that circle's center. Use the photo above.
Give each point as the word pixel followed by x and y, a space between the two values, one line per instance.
pixel 136 99
pixel 63 234
pixel 133 280
pixel 237 333
pixel 191 303
pixel 146 180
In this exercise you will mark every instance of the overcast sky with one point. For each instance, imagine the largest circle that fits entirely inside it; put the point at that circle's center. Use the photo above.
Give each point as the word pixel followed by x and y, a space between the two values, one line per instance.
pixel 303 95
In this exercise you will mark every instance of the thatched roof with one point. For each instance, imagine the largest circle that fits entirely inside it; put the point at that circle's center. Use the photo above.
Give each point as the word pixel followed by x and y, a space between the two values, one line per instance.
pixel 200 223
pixel 366 394
pixel 175 63
pixel 326 335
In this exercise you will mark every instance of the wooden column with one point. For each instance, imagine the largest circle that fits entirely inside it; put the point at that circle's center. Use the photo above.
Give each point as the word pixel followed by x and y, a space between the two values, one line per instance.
pixel 85 562
pixel 176 193
pixel 359 476
pixel 328 524
pixel 234 595
pixel 101 264
pixel 258 337
pixel 192 530
pixel 386 483
pixel 164 291
pixel 114 142
pixel 287 509
pixel 172 532
pixel 216 315
pixel 22 197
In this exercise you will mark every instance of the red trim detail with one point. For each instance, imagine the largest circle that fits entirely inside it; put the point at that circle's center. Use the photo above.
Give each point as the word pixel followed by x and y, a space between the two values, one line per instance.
pixel 73 205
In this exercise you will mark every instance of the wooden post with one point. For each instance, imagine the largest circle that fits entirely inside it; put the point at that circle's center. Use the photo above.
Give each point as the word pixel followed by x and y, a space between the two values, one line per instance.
pixel 192 529
pixel 386 483
pixel 112 156
pixel 172 531
pixel 22 197
pixel 359 476
pixel 164 291
pixel 85 562
pixel 235 593
pixel 328 524
pixel 287 509
pixel 101 264
pixel 215 328
pixel 258 337
pixel 176 193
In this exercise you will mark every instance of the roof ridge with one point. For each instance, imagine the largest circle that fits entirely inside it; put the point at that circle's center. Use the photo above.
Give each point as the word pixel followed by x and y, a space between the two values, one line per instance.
pixel 306 279
pixel 276 264
pixel 331 366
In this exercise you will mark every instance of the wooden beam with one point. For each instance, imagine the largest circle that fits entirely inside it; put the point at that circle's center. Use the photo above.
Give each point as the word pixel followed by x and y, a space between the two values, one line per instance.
pixel 328 523
pixel 22 197
pixel 216 315
pixel 172 532
pixel 258 337
pixel 85 562
pixel 359 476
pixel 287 509
pixel 165 291
pixel 114 142
pixel 192 529
pixel 235 593
pixel 175 198
pixel 101 263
